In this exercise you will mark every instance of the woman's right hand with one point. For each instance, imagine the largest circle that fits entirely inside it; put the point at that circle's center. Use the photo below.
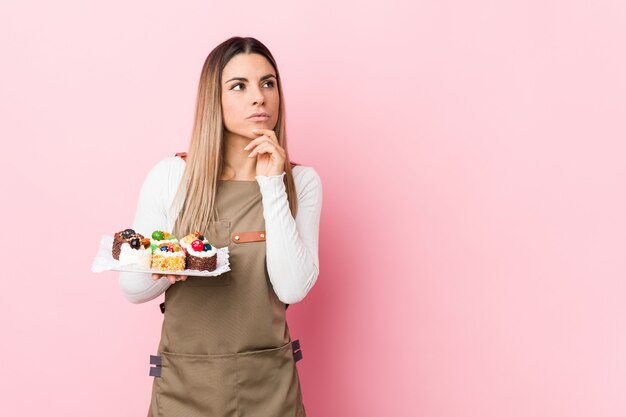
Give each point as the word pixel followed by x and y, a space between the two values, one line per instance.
pixel 170 278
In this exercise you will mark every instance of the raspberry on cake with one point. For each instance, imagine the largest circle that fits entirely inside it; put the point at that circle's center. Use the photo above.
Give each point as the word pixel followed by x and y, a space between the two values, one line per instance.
pixel 136 252
pixel 201 255
pixel 168 256
pixel 185 242
pixel 119 238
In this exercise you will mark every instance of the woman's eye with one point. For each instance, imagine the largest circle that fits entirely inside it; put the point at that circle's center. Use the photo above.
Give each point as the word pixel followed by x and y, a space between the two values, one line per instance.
pixel 271 83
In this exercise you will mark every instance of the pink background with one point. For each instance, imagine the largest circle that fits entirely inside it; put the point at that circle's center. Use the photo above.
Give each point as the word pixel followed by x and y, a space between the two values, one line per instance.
pixel 474 219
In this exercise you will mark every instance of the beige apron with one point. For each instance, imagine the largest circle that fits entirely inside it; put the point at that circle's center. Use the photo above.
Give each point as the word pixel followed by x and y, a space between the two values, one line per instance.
pixel 225 346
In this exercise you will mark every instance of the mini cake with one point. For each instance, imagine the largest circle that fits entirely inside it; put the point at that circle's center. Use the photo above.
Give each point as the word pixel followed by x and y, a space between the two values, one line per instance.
pixel 168 256
pixel 159 237
pixel 201 255
pixel 122 237
pixel 136 252
pixel 185 242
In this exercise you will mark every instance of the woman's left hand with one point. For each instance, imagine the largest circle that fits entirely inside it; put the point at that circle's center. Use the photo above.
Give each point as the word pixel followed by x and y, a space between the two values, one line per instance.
pixel 270 156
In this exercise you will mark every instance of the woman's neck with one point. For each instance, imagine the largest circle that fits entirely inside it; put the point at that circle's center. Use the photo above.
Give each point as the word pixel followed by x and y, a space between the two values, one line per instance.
pixel 237 165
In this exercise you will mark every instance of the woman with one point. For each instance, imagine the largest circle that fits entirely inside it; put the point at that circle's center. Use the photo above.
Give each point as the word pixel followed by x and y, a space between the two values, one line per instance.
pixel 225 346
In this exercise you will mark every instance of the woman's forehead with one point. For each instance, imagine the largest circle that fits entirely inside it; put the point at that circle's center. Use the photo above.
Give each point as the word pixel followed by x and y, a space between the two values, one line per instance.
pixel 249 66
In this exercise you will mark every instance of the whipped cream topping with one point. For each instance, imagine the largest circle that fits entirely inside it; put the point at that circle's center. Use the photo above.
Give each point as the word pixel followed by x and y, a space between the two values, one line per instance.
pixel 168 254
pixel 158 242
pixel 140 257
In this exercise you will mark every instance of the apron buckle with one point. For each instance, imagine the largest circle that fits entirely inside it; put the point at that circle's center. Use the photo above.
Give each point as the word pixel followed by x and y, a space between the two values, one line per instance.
pixel 155 370
pixel 162 307
pixel 297 352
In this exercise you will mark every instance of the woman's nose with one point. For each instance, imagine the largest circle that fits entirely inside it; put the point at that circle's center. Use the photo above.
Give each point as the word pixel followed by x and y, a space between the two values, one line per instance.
pixel 259 97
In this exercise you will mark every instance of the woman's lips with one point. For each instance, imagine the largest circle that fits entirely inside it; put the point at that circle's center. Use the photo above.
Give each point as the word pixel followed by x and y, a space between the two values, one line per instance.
pixel 258 118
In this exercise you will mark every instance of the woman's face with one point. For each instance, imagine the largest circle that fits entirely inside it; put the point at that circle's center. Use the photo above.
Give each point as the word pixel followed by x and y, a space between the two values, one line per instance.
pixel 249 86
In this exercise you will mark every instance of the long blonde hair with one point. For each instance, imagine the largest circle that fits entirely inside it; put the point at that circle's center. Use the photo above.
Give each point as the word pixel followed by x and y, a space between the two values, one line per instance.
pixel 195 197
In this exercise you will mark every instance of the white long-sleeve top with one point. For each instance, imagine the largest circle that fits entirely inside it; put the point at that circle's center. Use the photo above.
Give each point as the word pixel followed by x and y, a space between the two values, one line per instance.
pixel 291 244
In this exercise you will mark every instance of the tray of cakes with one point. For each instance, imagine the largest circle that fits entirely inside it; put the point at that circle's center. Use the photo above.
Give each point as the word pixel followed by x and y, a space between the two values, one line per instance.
pixel 161 253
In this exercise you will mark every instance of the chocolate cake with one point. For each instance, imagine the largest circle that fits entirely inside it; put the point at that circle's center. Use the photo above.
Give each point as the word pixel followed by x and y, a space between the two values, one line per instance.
pixel 201 264
pixel 119 238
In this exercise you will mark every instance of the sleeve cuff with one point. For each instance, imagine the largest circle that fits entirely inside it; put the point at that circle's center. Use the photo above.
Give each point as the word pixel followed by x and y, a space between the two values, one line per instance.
pixel 271 182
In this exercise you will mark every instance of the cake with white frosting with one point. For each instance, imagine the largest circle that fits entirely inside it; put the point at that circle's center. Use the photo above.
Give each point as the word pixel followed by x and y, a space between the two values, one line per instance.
pixel 136 253
pixel 168 256
pixel 200 254
pixel 159 237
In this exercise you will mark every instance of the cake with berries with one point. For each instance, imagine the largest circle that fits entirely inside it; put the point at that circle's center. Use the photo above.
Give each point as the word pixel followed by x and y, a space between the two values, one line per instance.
pixel 185 242
pixel 122 237
pixel 136 252
pixel 167 254
pixel 201 255
pixel 159 236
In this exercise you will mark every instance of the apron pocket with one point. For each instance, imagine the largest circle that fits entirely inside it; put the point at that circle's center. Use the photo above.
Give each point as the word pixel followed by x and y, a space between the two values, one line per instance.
pixel 216 281
pixel 268 383
pixel 196 385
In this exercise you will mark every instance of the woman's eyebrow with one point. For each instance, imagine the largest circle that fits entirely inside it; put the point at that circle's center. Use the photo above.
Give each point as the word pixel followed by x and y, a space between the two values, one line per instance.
pixel 265 77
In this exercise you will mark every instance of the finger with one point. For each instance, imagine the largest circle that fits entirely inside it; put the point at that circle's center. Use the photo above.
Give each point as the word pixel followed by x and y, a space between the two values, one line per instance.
pixel 183 277
pixel 263 148
pixel 276 153
pixel 259 130
pixel 171 278
pixel 266 132
pixel 271 136
pixel 257 141
pixel 156 276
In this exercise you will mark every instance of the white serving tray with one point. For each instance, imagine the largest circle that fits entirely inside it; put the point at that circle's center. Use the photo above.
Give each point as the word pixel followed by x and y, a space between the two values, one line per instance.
pixel 104 261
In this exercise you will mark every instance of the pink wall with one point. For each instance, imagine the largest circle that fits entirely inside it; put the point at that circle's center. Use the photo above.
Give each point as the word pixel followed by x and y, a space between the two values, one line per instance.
pixel 472 236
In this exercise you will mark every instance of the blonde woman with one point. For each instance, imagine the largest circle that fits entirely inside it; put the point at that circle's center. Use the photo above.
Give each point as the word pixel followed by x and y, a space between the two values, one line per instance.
pixel 225 347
